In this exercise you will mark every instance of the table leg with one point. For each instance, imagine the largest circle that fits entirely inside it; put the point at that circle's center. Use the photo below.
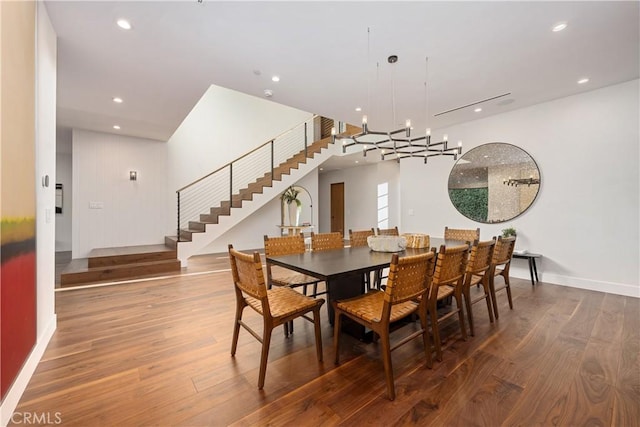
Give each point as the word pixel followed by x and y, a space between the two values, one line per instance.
pixel 531 270
pixel 342 288
pixel 535 268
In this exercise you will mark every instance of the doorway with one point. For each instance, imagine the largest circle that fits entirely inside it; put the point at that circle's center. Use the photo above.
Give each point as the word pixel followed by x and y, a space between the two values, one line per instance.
pixel 337 207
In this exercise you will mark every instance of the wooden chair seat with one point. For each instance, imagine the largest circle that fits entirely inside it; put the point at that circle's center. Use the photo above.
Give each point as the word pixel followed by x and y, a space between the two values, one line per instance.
pixel 500 265
pixel 278 306
pixel 284 302
pixel 445 292
pixel 369 307
pixel 409 279
pixel 478 271
pixel 281 276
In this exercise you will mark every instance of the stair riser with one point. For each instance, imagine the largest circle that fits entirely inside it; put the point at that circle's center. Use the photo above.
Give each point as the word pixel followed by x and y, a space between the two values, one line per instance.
pixel 117 273
pixel 109 261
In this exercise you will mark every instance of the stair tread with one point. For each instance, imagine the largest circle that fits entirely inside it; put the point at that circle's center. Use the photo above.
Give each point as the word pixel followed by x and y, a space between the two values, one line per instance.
pixel 82 265
pixel 129 250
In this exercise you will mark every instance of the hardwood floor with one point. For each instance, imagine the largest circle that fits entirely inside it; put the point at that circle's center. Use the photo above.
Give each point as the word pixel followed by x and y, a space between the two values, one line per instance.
pixel 157 352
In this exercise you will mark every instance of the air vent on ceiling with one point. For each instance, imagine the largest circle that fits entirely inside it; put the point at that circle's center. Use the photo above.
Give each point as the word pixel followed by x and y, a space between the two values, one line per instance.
pixel 472 104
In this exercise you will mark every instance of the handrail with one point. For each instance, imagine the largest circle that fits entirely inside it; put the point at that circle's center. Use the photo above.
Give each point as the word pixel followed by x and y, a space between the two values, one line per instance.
pixel 203 200
pixel 243 156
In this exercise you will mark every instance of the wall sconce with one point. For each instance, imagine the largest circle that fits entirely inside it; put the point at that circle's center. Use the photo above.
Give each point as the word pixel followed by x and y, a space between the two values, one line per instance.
pixel 133 175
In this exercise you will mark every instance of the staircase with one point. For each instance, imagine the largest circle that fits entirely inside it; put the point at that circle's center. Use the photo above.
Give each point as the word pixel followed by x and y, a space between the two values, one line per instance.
pixel 203 226
pixel 217 220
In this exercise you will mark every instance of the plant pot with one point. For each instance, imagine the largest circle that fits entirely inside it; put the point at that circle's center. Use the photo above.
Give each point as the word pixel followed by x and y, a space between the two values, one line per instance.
pixel 294 214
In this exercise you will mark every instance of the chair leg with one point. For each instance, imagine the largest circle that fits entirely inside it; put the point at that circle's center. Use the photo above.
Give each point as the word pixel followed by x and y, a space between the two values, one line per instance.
pixel 388 368
pixel 487 298
pixel 236 328
pixel 286 329
pixel 304 289
pixel 266 341
pixel 492 290
pixel 435 327
pixel 458 296
pixel 425 338
pixel 508 285
pixel 336 335
pixel 467 303
pixel 316 324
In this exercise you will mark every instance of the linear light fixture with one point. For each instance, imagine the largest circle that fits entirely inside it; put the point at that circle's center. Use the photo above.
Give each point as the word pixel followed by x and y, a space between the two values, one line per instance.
pixel 399 143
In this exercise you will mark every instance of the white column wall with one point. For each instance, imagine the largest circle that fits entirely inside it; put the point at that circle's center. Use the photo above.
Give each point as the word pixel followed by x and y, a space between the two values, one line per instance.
pixel 133 212
pixel 361 196
pixel 585 220
pixel 63 220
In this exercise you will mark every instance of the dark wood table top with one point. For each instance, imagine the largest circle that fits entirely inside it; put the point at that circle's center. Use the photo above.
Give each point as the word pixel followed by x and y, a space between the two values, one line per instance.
pixel 327 265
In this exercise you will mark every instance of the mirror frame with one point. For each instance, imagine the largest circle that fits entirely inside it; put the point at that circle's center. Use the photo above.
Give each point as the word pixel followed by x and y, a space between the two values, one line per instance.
pixel 534 198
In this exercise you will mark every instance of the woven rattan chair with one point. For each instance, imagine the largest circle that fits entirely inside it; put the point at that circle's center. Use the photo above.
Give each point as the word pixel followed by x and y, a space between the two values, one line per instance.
pixel 448 279
pixel 409 279
pixel 277 306
pixel 461 234
pixel 359 238
pixel 326 241
pixel 280 276
pixel 500 265
pixel 388 231
pixel 478 274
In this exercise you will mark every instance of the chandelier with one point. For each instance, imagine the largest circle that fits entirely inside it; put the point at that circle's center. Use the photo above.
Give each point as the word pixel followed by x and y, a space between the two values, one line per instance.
pixel 514 182
pixel 399 143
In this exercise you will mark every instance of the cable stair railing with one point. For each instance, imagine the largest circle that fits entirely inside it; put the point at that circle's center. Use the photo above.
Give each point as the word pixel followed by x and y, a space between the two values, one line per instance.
pixel 208 198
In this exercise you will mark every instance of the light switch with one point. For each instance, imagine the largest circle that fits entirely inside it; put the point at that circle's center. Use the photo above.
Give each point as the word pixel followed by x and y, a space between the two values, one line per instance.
pixel 96 205
pixel 410 212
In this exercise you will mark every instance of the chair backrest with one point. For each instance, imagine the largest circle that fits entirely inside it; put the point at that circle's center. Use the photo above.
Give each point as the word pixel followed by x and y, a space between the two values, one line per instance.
pixel 326 241
pixel 285 245
pixel 388 231
pixel 359 238
pixel 461 234
pixel 503 250
pixel 409 277
pixel 481 256
pixel 248 277
pixel 450 265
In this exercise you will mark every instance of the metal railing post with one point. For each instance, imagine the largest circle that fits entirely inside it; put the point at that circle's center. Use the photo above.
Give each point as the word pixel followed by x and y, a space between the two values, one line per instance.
pixel 305 139
pixel 272 160
pixel 178 215
pixel 230 185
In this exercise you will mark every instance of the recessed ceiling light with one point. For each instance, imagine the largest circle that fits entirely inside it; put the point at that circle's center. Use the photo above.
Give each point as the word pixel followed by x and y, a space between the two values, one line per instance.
pixel 117 100
pixel 477 110
pixel 321 169
pixel 357 161
pixel 275 79
pixel 583 81
pixel 124 24
pixel 116 127
pixel 358 108
pixel 559 27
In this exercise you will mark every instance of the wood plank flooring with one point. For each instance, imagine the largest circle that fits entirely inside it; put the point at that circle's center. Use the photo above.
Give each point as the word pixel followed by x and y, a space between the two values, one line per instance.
pixel 157 353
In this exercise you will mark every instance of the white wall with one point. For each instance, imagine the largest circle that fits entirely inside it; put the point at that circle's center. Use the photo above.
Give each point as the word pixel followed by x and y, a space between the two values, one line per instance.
pixel 360 196
pixel 63 220
pixel 134 212
pixel 249 234
pixel 223 125
pixel 586 217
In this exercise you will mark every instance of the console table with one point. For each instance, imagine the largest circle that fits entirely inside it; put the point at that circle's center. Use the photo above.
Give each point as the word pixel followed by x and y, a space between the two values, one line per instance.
pixel 531 258
pixel 293 229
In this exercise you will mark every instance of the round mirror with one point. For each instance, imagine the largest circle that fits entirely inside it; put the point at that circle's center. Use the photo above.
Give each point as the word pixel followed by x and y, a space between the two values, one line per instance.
pixel 494 182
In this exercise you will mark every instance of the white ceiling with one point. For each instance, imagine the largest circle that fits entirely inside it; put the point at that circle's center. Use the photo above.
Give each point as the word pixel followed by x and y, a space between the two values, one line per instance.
pixel 325 60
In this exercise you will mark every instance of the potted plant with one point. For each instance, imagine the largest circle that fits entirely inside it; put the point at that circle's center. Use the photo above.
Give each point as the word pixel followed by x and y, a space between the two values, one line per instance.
pixel 290 196
pixel 509 231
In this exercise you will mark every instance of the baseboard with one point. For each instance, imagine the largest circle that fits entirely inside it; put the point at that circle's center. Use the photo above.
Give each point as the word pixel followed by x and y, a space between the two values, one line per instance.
pixel 592 285
pixel 22 380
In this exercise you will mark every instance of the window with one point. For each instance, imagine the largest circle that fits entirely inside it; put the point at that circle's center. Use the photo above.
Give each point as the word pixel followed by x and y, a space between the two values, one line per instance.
pixel 383 205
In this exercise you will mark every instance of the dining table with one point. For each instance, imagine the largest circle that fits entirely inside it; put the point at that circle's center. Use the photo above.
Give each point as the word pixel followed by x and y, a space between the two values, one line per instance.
pixel 343 271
